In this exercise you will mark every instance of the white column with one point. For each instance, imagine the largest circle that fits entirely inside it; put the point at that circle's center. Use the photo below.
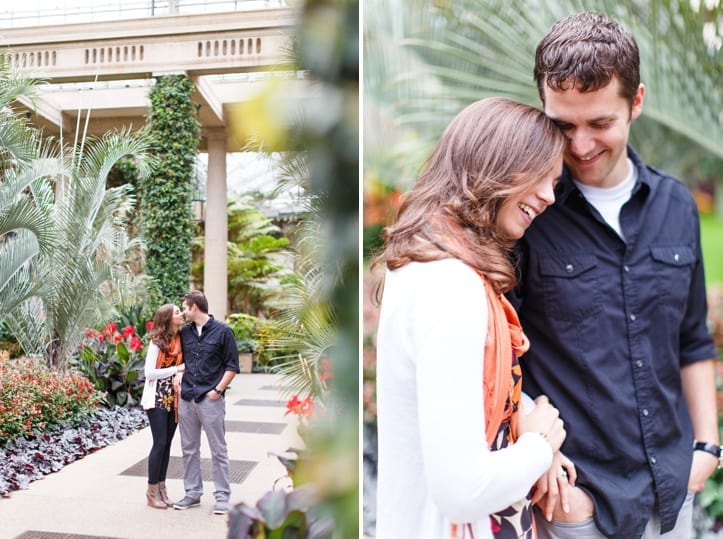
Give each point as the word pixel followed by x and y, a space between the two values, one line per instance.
pixel 215 273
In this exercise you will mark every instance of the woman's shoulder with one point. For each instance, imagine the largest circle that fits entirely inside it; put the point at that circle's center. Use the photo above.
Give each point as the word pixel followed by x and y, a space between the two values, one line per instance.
pixel 451 270
pixel 437 283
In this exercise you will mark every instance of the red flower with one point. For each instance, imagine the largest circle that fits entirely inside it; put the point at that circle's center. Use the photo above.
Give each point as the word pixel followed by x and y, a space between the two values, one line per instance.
pixel 325 370
pixel 301 408
pixel 90 333
pixel 111 328
pixel 149 325
pixel 293 405
pixel 128 331
pixel 136 343
pixel 117 338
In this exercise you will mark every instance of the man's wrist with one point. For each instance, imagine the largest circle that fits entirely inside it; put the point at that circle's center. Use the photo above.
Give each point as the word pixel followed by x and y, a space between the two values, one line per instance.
pixel 709 447
pixel 217 390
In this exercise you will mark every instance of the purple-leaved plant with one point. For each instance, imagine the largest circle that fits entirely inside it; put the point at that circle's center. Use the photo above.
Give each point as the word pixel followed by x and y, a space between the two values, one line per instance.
pixel 27 459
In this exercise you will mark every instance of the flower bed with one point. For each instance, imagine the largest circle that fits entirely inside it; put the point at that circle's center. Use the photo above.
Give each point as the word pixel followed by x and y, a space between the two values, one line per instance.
pixel 33 398
pixel 25 460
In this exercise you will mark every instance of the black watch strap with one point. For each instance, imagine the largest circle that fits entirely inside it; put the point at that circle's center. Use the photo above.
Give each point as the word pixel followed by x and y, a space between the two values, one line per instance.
pixel 708 447
pixel 217 391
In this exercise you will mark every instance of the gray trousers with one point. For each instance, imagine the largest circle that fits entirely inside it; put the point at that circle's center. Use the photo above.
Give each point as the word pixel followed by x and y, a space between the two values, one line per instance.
pixel 208 415
pixel 587 529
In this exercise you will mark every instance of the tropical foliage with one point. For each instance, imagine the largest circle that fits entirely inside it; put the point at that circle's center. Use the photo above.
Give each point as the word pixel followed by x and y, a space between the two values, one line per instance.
pixel 255 258
pixel 113 360
pixel 425 60
pixel 78 277
pixel 320 315
pixel 23 225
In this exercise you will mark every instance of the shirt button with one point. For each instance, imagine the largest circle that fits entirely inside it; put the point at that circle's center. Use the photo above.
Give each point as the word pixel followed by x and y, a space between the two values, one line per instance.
pixel 645 412
pixel 676 257
pixel 653 460
pixel 639 363
pixel 632 317
pixel 627 269
pixel 569 268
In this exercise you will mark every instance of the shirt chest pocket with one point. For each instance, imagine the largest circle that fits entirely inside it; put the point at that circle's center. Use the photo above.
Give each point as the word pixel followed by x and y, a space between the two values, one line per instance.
pixel 570 286
pixel 672 271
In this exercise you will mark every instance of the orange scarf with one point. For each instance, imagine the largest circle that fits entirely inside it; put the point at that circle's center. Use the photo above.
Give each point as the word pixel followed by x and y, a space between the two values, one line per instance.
pixel 504 336
pixel 174 356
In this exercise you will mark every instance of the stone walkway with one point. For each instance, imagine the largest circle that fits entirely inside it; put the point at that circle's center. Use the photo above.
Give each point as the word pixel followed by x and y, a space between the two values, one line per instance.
pixel 103 494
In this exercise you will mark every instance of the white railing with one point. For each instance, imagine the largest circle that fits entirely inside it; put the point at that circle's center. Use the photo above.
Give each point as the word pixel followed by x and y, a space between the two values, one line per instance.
pixel 25 13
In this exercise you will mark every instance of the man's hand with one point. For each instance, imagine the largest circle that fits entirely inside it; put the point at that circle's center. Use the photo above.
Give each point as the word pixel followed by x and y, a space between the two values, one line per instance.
pixel 704 464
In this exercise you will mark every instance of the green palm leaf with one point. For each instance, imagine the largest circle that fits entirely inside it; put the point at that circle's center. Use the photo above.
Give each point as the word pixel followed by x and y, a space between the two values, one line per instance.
pixel 467 50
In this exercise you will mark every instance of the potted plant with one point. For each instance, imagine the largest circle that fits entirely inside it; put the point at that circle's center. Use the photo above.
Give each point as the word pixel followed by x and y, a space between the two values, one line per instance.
pixel 244 329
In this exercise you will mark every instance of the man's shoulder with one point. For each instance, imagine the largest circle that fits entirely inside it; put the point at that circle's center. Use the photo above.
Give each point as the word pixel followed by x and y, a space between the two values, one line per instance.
pixel 220 326
pixel 185 328
pixel 649 173
pixel 215 323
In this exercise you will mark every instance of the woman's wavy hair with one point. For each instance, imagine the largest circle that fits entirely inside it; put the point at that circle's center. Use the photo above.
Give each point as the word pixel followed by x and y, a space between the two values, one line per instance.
pixel 493 150
pixel 587 50
pixel 161 332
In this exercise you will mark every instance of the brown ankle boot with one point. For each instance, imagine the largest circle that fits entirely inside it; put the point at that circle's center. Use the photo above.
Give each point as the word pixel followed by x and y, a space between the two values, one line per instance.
pixel 154 497
pixel 164 494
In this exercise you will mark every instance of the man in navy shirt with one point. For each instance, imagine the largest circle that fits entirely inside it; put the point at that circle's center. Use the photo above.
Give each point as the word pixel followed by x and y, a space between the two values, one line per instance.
pixel 211 358
pixel 612 297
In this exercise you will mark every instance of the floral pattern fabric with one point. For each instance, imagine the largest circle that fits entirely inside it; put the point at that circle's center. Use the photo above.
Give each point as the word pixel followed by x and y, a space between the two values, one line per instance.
pixel 165 396
pixel 515 522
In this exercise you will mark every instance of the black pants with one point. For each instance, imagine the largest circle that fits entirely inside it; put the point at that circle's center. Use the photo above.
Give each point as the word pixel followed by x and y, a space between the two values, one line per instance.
pixel 163 427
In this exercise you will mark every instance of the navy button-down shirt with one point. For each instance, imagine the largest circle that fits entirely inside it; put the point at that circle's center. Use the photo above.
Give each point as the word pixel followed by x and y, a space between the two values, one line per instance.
pixel 611 322
pixel 207 357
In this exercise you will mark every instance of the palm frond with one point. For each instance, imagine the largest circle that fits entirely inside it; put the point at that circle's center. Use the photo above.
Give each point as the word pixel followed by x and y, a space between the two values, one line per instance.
pixel 421 71
pixel 16 253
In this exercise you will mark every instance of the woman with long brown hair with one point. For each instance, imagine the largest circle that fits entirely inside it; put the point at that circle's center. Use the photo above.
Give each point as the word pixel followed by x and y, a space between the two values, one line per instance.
pixel 456 456
pixel 163 360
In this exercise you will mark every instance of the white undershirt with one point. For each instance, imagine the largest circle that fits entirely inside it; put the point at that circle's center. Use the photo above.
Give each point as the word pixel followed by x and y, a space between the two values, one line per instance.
pixel 609 200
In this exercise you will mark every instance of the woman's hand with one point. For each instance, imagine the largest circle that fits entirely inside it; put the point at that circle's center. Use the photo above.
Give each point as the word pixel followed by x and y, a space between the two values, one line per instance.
pixel 554 486
pixel 181 367
pixel 544 420
pixel 177 379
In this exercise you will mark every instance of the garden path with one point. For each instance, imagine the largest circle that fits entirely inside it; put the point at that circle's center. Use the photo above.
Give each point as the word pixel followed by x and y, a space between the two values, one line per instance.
pixel 103 494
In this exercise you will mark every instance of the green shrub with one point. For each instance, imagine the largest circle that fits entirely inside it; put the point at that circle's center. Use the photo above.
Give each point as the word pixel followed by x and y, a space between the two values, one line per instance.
pixel 268 355
pixel 244 327
pixel 33 398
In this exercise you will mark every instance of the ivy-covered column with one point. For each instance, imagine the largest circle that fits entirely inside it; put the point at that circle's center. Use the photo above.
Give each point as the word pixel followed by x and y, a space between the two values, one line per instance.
pixel 166 193
pixel 215 269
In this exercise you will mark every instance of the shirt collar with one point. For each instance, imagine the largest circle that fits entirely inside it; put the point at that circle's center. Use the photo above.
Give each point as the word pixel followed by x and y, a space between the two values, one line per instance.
pixel 645 182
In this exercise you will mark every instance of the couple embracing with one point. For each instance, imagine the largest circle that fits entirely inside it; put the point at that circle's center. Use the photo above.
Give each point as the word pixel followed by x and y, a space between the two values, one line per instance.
pixel 601 259
pixel 188 368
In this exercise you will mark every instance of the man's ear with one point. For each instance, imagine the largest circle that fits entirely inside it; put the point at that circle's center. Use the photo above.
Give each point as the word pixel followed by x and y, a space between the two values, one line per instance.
pixel 637 108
